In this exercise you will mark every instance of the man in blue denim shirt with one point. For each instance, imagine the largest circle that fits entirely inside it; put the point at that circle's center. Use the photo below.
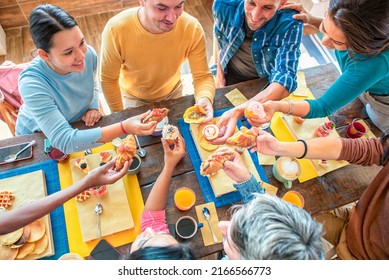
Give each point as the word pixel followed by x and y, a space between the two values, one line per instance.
pixel 255 39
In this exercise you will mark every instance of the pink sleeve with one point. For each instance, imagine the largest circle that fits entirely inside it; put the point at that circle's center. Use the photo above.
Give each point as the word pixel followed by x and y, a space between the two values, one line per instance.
pixel 154 219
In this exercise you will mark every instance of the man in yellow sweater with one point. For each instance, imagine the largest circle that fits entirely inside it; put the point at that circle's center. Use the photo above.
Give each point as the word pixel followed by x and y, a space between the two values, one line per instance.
pixel 143 49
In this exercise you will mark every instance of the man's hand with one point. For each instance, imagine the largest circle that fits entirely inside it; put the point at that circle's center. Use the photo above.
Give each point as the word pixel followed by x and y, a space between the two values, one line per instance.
pixel 206 104
pixel 227 125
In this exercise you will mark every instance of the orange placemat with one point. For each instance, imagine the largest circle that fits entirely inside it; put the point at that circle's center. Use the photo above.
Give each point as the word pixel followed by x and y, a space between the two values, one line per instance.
pixel 73 229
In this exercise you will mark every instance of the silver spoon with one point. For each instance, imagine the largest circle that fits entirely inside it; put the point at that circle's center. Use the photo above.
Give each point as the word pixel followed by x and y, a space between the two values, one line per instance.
pixel 140 151
pixel 98 211
pixel 13 157
pixel 207 215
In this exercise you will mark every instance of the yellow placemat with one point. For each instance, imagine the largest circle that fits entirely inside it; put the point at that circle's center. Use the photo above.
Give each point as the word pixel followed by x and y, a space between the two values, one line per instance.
pixel 116 214
pixel 214 219
pixel 236 97
pixel 285 129
pixel 73 229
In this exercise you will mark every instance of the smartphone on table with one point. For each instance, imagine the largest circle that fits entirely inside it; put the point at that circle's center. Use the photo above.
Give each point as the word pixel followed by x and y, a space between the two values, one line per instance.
pixel 13 149
pixel 105 251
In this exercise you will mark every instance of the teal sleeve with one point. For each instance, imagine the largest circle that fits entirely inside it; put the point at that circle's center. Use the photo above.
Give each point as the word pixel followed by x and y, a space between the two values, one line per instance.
pixel 248 187
pixel 358 76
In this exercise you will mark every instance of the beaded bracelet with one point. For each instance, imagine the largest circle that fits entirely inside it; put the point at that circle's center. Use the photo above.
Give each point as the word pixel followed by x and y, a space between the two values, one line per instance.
pixel 291 107
pixel 122 127
pixel 305 149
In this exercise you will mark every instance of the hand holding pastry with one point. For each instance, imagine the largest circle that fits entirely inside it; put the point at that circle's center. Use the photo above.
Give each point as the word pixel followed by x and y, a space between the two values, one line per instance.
pixel 215 161
pixel 206 104
pixel 195 114
pixel 126 151
pixel 244 138
pixel 157 114
pixel 170 134
pixel 227 124
pixel 236 169
pixel 134 125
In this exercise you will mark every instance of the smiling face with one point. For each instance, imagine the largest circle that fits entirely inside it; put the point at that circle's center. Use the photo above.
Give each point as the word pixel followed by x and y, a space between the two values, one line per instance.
pixel 159 16
pixel 333 37
pixel 150 238
pixel 258 12
pixel 67 52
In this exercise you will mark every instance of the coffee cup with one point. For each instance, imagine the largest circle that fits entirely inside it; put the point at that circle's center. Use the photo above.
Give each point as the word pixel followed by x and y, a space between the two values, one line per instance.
pixel 159 127
pixel 134 168
pixel 184 198
pixel 286 170
pixel 70 256
pixel 357 128
pixel 186 227
pixel 295 198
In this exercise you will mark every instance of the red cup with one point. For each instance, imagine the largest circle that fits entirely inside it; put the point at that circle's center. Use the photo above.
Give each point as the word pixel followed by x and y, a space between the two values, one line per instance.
pixel 57 155
pixel 357 128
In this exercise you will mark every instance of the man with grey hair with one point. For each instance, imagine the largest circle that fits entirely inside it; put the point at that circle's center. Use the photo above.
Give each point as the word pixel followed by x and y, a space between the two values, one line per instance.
pixel 266 227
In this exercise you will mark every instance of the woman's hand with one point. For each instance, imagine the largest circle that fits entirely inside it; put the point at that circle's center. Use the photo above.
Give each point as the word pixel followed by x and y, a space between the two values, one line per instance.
pixel 206 104
pixel 266 144
pixel 311 23
pixel 236 169
pixel 269 108
pixel 91 117
pixel 174 153
pixel 105 175
pixel 134 125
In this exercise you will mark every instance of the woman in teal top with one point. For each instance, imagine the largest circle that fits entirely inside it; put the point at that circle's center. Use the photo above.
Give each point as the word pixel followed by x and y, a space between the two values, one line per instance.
pixel 358 31
pixel 60 87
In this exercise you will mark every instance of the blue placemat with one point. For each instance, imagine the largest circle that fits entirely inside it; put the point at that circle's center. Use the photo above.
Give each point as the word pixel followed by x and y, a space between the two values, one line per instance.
pixel 57 217
pixel 204 183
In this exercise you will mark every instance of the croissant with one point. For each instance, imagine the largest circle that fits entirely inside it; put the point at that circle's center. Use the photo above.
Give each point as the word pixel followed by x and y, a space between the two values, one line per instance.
pixel 215 161
pixel 126 151
pixel 244 138
pixel 157 114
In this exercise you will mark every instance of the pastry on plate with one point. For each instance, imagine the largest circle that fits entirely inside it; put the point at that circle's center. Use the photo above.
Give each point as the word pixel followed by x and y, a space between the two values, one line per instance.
pixel 157 114
pixel 195 114
pixel 244 138
pixel 325 129
pixel 105 157
pixel 215 161
pixel 82 164
pixel 6 199
pixel 125 151
pixel 170 133
pixel 210 132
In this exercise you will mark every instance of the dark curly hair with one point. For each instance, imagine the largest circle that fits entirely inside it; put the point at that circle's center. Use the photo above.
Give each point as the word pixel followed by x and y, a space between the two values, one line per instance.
pixel 365 24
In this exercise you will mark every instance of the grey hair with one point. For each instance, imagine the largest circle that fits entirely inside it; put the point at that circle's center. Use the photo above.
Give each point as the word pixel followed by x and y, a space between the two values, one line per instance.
pixel 269 228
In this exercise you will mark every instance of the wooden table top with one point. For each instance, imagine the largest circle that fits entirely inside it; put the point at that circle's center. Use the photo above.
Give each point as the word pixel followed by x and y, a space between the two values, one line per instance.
pixel 323 193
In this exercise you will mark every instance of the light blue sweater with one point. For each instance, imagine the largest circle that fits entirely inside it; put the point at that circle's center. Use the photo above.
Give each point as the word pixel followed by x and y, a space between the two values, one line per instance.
pixel 53 101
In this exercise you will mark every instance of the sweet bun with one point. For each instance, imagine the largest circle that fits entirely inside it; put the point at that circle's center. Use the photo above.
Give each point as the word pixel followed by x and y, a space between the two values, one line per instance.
pixel 254 110
pixel 195 114
pixel 210 132
pixel 157 114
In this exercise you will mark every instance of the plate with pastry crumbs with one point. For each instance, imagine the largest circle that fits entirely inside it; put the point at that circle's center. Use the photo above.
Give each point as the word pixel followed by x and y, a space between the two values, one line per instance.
pixel 34 241
pixel 116 215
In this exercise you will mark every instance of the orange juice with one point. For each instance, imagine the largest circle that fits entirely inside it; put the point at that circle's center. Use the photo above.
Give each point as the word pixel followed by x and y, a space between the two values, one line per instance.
pixel 295 198
pixel 184 198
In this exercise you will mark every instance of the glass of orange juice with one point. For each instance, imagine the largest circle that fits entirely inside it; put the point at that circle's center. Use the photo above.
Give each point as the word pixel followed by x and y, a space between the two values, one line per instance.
pixel 295 198
pixel 184 198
